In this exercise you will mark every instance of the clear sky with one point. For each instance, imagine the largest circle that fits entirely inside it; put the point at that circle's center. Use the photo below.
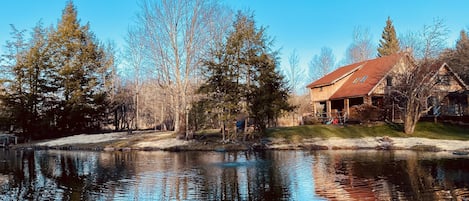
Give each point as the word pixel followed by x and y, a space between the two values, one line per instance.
pixel 304 25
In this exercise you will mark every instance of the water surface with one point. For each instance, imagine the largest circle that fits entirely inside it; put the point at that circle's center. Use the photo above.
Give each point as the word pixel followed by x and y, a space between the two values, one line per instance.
pixel 270 175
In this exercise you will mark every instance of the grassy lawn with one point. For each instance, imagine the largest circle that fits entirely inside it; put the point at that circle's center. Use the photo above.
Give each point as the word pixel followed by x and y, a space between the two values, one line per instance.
pixel 423 129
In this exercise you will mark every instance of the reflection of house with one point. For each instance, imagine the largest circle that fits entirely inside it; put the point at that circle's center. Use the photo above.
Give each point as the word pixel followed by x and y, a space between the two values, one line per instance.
pixel 366 83
pixel 7 139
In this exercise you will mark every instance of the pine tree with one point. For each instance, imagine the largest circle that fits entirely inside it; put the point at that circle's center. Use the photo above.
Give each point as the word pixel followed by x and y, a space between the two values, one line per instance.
pixel 242 77
pixel 56 80
pixel 24 98
pixel 270 98
pixel 389 44
pixel 462 52
pixel 458 58
pixel 78 60
pixel 14 76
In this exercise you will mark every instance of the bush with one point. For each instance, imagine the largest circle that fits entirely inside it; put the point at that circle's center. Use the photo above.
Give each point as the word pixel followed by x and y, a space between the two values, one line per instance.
pixel 366 113
pixel 310 120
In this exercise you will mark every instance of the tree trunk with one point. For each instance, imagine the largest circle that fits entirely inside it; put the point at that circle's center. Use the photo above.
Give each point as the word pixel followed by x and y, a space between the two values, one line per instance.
pixel 412 115
pixel 409 125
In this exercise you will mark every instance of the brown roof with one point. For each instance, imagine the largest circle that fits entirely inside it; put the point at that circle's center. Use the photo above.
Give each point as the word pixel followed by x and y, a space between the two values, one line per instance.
pixel 364 80
pixel 335 76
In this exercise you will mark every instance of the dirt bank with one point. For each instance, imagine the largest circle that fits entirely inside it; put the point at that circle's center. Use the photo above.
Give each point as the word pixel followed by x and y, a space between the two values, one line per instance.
pixel 168 141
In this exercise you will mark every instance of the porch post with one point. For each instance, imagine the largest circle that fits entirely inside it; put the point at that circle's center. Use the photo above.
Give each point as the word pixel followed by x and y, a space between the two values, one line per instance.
pixel 328 108
pixel 346 106
pixel 313 104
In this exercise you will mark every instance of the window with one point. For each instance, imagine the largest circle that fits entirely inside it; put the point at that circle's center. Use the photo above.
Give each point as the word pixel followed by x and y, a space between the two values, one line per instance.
pixel 389 81
pixel 363 79
pixel 360 79
pixel 444 79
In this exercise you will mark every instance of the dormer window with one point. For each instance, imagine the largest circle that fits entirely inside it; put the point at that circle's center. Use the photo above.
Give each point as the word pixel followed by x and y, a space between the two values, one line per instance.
pixel 363 79
pixel 360 79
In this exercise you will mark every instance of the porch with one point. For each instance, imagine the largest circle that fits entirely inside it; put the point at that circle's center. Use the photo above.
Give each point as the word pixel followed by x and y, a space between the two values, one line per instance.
pixel 341 108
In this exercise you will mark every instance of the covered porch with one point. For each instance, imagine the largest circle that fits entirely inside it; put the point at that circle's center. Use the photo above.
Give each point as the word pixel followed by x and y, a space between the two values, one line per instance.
pixel 340 108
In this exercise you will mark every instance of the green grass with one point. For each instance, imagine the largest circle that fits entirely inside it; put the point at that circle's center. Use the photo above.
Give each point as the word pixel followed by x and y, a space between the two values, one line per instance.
pixel 423 129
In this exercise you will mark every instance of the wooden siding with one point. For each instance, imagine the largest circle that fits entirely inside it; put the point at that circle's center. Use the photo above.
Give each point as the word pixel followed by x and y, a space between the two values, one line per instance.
pixel 381 87
pixel 319 94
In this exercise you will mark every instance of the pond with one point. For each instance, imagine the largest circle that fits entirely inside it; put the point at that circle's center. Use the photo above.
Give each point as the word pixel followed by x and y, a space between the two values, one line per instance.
pixel 269 175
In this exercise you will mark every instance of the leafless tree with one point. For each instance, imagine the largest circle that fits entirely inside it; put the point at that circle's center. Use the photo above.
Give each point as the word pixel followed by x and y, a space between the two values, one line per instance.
pixel 428 42
pixel 294 72
pixel 321 64
pixel 362 47
pixel 415 86
pixel 177 34
pixel 135 57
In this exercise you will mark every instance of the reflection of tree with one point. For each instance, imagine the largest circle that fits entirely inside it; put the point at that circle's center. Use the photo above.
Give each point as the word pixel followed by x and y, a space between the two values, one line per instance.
pixel 271 175
pixel 390 177
pixel 63 175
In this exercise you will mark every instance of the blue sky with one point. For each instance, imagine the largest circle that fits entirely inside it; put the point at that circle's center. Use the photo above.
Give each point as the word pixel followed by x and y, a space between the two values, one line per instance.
pixel 304 25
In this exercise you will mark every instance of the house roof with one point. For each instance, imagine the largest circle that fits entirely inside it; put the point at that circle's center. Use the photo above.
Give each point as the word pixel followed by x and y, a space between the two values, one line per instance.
pixel 336 75
pixel 365 79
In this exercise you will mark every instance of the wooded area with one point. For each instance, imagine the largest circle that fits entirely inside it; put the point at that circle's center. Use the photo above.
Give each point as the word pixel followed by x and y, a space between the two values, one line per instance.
pixel 187 65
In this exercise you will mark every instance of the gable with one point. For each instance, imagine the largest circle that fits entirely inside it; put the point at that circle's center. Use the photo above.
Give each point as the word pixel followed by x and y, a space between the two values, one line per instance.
pixel 448 80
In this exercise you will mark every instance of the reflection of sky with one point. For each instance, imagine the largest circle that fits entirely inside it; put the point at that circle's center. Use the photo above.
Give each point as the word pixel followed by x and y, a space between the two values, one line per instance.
pixel 286 175
pixel 298 168
pixel 169 180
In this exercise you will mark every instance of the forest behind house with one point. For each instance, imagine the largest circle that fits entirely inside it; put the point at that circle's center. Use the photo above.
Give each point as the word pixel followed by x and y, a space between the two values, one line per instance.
pixel 186 66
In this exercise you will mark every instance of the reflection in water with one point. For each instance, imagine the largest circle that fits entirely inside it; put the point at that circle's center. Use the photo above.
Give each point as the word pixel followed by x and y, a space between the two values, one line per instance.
pixel 270 175
pixel 384 175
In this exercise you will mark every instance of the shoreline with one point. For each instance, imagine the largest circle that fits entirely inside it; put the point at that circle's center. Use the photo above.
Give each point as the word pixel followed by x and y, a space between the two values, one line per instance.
pixel 166 141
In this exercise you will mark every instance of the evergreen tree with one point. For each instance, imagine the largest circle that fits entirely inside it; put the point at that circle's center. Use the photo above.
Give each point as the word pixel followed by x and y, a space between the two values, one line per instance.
pixel 55 81
pixel 389 44
pixel 242 77
pixel 458 59
pixel 13 77
pixel 25 97
pixel 270 98
pixel 78 61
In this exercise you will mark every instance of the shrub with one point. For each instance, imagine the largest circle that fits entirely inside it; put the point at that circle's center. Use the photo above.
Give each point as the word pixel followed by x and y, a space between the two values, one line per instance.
pixel 366 113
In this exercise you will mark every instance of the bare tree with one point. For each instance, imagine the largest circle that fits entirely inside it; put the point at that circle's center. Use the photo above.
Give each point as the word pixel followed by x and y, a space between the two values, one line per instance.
pixel 321 64
pixel 361 48
pixel 135 58
pixel 416 85
pixel 294 73
pixel 427 43
pixel 177 34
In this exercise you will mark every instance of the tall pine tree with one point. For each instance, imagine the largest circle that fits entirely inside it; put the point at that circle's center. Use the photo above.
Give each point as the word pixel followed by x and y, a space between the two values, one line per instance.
pixel 242 79
pixel 79 61
pixel 25 95
pixel 458 58
pixel 389 44
pixel 55 81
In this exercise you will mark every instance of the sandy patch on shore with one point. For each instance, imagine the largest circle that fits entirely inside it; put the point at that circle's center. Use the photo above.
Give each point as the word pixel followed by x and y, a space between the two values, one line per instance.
pixel 162 143
pixel 84 139
pixel 165 140
pixel 154 140
pixel 374 142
